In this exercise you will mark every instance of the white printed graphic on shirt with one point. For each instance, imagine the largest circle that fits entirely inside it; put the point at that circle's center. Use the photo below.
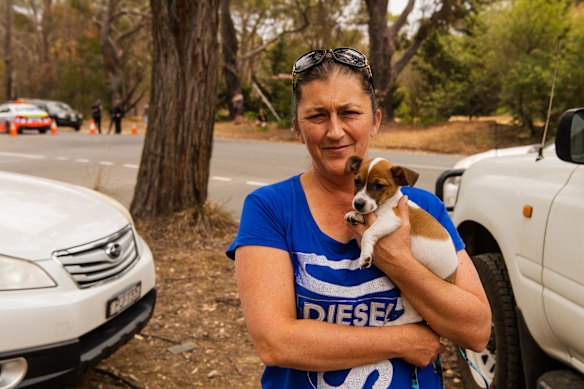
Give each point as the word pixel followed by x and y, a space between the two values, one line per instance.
pixel 362 311
pixel 307 281
pixel 357 377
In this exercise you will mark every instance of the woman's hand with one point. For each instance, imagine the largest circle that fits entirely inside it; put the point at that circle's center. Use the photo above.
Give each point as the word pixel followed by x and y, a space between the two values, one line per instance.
pixel 397 244
pixel 423 346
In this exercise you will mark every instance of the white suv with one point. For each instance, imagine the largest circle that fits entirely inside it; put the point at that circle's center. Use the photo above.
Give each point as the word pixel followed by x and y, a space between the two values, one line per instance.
pixel 76 280
pixel 522 218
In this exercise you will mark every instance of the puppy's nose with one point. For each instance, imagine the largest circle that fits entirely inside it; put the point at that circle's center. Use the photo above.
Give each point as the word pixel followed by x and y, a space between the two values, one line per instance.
pixel 359 204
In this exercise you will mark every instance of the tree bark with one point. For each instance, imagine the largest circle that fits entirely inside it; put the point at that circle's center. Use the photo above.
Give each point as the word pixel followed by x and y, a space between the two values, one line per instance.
pixel 229 47
pixel 174 171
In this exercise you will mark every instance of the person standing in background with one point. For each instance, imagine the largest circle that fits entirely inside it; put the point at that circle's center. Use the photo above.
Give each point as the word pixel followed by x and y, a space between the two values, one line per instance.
pixel 96 114
pixel 117 113
pixel 237 103
pixel 145 113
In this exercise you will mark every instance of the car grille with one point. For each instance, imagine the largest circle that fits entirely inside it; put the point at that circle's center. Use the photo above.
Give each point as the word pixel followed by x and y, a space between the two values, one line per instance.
pixel 100 261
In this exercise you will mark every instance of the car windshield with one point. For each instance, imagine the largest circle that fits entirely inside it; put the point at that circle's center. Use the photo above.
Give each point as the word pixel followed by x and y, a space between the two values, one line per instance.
pixel 59 107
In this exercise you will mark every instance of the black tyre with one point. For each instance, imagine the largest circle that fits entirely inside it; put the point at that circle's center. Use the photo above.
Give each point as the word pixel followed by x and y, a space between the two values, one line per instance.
pixel 503 347
pixel 43 130
pixel 77 128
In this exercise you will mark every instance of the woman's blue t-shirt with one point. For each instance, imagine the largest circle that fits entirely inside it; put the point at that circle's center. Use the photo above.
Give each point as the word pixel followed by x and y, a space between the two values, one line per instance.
pixel 329 285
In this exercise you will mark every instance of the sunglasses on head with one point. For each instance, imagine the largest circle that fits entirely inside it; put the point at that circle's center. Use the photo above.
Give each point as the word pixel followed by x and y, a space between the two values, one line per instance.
pixel 342 55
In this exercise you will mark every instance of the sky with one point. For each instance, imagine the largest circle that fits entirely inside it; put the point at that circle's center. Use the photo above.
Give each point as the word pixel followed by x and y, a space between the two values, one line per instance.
pixel 396 6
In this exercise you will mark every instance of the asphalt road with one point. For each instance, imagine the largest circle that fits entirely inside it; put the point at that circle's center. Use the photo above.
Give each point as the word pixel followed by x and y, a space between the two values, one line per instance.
pixel 110 163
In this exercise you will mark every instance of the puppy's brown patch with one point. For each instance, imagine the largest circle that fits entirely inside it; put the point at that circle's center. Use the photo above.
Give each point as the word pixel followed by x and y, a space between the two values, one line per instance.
pixel 424 224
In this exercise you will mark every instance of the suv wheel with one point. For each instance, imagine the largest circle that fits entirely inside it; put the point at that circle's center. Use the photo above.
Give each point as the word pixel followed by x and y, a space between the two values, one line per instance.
pixel 503 347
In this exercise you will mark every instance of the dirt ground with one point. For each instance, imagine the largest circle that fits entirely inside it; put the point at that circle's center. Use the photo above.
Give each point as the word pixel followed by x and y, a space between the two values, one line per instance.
pixel 197 336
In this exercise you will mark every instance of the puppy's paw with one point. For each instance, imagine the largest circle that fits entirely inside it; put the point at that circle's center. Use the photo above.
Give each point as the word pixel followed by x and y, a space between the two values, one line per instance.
pixel 354 218
pixel 365 262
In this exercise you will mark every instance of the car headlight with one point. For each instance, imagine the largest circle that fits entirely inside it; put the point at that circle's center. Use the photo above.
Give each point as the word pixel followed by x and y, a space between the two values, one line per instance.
pixel 61 115
pixel 16 274
pixel 451 186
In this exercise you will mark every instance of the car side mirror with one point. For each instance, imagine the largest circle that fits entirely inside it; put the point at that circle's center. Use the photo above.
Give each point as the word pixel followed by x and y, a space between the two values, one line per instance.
pixel 570 136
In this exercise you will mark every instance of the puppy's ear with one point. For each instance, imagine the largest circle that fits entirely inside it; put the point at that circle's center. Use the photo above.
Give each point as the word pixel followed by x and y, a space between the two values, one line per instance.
pixel 404 176
pixel 353 164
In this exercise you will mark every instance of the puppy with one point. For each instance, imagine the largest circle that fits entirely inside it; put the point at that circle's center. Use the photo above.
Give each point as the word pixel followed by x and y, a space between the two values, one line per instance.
pixel 377 189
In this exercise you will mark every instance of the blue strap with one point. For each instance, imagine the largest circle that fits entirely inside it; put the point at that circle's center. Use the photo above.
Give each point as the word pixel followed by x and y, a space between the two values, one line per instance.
pixel 437 369
pixel 473 366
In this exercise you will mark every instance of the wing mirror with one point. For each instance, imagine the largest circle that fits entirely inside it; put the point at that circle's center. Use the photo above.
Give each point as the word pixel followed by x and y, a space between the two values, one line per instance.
pixel 570 136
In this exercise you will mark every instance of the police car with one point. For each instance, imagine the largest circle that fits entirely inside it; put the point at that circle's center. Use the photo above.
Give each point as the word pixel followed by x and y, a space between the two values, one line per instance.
pixel 21 116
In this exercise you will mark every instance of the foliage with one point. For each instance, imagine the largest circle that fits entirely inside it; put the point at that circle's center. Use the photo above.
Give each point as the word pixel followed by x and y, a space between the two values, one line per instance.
pixel 524 39
pixel 570 81
pixel 57 55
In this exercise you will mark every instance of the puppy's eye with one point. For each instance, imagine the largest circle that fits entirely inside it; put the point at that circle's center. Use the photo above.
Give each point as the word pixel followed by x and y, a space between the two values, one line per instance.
pixel 358 182
pixel 378 186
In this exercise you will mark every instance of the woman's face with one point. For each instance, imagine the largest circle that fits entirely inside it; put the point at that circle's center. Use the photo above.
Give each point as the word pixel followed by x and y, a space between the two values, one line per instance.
pixel 334 120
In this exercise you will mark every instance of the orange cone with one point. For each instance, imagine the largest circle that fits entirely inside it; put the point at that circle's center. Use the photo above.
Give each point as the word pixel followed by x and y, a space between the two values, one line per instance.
pixel 13 130
pixel 92 127
pixel 134 130
pixel 54 127
pixel 3 127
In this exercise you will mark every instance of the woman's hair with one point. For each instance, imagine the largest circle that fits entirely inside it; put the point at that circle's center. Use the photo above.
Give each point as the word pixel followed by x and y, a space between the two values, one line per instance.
pixel 323 71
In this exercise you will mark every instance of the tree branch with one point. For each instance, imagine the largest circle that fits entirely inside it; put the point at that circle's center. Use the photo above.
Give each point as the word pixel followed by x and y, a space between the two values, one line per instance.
pixel 401 20
pixel 263 46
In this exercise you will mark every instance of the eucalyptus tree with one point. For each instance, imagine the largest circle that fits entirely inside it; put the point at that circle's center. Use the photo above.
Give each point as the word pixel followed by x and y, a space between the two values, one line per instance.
pixel 124 43
pixel 174 171
pixel 8 63
pixel 393 44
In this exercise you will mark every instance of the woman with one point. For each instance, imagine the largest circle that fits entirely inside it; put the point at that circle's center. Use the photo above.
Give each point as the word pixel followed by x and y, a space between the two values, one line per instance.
pixel 315 318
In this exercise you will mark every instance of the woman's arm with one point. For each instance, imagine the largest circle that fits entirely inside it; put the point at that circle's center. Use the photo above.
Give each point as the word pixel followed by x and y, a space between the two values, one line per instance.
pixel 459 311
pixel 266 286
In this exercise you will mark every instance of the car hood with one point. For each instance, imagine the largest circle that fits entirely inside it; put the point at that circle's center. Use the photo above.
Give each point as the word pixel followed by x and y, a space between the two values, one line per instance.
pixel 467 161
pixel 40 216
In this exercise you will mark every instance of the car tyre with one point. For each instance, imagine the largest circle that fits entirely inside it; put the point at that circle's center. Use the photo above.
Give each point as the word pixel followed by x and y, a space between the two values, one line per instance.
pixel 503 346
pixel 43 130
pixel 77 128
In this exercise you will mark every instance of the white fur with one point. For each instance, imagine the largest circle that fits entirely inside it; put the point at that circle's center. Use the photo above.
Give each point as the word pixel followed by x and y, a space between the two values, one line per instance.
pixel 439 256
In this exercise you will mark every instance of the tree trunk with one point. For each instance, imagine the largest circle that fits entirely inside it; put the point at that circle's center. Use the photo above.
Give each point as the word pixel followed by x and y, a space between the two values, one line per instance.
pixel 174 171
pixel 229 47
pixel 10 87
pixel 380 53
pixel 385 42
pixel 111 52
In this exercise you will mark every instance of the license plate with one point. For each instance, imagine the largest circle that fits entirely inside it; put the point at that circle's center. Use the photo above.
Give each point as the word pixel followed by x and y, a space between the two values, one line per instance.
pixel 123 300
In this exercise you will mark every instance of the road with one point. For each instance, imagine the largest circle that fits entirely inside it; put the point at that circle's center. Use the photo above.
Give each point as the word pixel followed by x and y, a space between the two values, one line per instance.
pixel 110 163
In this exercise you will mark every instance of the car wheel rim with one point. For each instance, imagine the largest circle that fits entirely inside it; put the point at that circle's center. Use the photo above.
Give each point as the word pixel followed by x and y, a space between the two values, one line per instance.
pixel 485 364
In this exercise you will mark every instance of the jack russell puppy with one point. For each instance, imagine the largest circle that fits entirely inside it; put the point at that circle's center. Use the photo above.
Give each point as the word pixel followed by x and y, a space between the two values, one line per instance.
pixel 377 189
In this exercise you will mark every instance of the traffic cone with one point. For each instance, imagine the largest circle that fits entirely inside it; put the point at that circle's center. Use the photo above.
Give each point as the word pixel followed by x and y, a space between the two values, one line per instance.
pixel 134 130
pixel 92 127
pixel 54 127
pixel 3 127
pixel 13 130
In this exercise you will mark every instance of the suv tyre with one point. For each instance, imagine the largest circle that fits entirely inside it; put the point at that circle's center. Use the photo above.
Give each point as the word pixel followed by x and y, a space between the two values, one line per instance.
pixel 503 346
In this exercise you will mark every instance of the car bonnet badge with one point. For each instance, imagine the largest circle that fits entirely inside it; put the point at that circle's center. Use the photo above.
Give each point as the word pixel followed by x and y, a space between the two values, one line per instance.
pixel 113 250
